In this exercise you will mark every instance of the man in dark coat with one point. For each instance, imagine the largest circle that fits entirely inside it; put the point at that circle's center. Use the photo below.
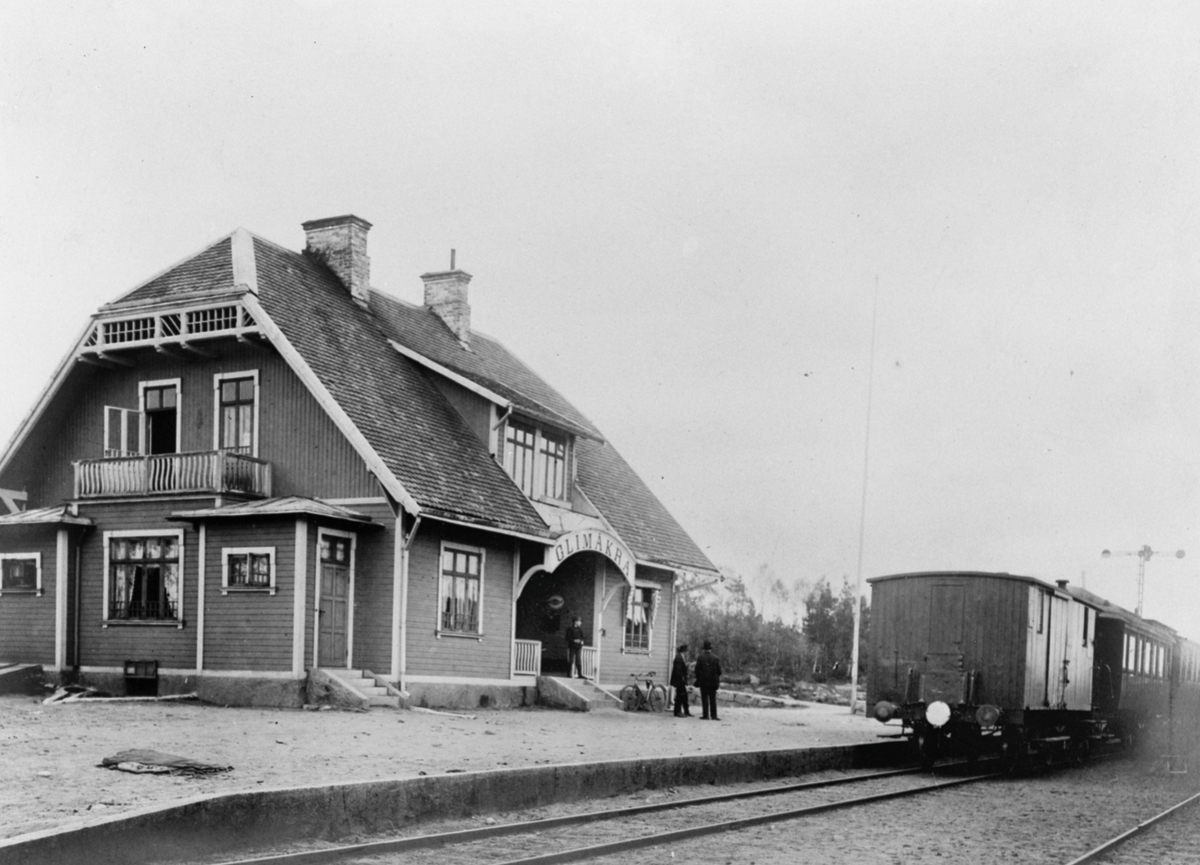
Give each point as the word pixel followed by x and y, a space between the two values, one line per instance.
pixel 708 680
pixel 679 677
pixel 575 648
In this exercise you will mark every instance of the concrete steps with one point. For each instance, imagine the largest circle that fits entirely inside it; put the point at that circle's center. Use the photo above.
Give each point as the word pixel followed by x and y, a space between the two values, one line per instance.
pixel 580 694
pixel 365 684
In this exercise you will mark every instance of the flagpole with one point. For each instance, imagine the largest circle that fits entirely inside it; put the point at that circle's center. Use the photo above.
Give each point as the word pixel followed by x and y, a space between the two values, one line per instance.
pixel 862 519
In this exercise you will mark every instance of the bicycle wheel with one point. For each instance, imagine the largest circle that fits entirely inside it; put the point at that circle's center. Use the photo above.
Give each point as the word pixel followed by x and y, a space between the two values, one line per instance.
pixel 630 698
pixel 658 698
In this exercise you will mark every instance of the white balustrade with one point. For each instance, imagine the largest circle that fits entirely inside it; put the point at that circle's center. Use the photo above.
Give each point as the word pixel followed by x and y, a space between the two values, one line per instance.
pixel 527 657
pixel 208 471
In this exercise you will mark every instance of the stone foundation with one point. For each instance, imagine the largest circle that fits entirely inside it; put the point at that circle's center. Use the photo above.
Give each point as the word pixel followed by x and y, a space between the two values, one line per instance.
pixel 442 695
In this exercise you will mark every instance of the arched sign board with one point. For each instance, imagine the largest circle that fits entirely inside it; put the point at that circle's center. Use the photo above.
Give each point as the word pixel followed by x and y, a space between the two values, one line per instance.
pixel 596 540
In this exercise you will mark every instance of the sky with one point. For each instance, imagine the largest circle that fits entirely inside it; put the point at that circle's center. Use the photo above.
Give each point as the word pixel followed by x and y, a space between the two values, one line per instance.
pixel 919 278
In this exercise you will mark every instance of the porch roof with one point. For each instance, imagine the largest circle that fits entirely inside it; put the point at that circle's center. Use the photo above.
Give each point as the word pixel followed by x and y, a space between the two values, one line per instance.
pixel 284 506
pixel 56 515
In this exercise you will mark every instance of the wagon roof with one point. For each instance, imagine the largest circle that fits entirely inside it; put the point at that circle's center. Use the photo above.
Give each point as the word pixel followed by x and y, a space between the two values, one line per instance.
pixel 1103 607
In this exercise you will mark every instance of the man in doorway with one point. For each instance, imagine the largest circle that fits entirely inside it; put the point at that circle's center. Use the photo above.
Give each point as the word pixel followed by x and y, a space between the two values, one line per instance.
pixel 679 677
pixel 575 649
pixel 708 680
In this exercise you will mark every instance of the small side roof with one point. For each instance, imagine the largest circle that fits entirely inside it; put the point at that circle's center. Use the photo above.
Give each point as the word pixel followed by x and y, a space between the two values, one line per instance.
pixel 55 515
pixel 285 506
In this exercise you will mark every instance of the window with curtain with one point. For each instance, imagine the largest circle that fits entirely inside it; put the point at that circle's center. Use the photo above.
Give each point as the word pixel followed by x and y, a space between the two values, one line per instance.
pixel 461 590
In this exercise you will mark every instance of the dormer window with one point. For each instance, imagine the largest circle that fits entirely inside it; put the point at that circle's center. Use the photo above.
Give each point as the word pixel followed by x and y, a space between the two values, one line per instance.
pixel 519 450
pixel 537 460
pixel 554 458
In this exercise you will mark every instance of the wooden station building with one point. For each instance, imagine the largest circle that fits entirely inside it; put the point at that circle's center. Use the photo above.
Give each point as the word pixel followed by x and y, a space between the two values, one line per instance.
pixel 254 465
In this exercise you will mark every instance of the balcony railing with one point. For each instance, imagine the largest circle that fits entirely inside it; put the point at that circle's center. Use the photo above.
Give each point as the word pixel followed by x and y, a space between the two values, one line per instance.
pixel 154 474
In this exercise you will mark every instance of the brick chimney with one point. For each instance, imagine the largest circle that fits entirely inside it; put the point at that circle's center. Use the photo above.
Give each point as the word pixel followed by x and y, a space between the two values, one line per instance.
pixel 446 294
pixel 341 241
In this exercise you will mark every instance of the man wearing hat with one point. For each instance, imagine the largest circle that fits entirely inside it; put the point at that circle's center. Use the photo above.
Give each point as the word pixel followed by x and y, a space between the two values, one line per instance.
pixel 679 676
pixel 708 680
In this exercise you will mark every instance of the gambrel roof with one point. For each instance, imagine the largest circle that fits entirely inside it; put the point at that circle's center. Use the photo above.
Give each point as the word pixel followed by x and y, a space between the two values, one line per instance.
pixel 412 438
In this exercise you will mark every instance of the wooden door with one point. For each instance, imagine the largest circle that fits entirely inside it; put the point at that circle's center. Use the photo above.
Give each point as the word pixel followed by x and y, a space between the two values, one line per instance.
pixel 335 601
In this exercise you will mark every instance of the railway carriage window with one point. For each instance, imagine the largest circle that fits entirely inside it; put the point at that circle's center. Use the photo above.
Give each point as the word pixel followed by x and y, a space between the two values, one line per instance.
pixel 1085 627
pixel 1128 654
pixel 1041 619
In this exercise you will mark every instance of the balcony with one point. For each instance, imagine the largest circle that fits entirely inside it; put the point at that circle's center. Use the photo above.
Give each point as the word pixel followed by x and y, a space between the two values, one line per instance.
pixel 165 474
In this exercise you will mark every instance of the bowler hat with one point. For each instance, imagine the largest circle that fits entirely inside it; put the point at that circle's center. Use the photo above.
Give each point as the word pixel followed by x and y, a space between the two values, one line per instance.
pixel 707 646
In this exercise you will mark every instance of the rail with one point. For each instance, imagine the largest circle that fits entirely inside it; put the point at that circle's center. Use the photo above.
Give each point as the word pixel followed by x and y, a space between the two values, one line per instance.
pixel 589 659
pixel 527 657
pixel 154 474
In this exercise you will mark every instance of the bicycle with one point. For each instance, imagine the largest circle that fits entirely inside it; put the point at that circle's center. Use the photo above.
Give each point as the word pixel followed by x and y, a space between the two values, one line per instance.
pixel 652 699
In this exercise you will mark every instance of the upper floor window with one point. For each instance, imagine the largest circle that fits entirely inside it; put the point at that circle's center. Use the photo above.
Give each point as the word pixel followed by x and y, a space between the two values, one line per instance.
pixel 537 460
pixel 144 576
pixel 160 407
pixel 21 573
pixel 461 590
pixel 554 460
pixel 236 410
pixel 519 450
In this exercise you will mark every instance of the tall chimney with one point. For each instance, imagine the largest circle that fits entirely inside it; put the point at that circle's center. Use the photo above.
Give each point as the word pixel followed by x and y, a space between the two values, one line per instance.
pixel 446 294
pixel 342 242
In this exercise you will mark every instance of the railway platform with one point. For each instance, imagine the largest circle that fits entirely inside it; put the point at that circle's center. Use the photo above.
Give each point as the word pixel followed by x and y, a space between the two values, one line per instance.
pixel 338 773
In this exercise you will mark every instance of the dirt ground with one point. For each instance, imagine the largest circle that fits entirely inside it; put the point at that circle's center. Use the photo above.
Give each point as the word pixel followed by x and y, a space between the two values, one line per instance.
pixel 50 754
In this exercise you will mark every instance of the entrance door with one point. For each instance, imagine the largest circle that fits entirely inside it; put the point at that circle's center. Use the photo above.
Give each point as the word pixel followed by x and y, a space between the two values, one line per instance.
pixel 335 597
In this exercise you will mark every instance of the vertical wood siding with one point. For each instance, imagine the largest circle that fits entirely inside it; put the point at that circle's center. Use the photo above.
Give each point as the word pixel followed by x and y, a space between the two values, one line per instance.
pixel 475 410
pixel 429 655
pixel 308 454
pixel 27 625
pixel 991 634
pixel 615 664
pixel 111 646
pixel 249 630
pixel 373 587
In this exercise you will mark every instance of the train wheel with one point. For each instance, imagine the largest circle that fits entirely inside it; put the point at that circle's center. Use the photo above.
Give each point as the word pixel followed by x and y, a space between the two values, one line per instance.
pixel 1014 750
pixel 927 747
pixel 973 743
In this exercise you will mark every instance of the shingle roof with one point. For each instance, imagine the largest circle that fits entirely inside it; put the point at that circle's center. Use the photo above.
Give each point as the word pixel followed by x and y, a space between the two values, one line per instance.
pixel 487 362
pixel 389 398
pixel 210 272
pixel 633 511
pixel 416 432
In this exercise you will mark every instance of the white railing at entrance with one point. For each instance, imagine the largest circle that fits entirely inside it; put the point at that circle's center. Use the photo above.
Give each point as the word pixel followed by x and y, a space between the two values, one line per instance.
pixel 527 657
pixel 590 659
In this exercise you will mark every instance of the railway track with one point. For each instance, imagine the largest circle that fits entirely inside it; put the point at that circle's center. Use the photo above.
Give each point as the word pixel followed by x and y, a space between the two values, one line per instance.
pixel 622 829
pixel 1102 852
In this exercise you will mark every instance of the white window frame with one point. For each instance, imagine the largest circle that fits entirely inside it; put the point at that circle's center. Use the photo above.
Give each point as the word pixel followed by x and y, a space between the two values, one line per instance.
pixel 538 482
pixel 220 377
pixel 626 650
pixel 473 550
pixel 226 552
pixel 178 621
pixel 37 591
pixel 142 386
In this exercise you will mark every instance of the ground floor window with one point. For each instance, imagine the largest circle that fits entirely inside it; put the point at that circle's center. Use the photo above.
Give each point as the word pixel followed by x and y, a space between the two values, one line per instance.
pixel 461 590
pixel 144 576
pixel 248 568
pixel 21 573
pixel 641 602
